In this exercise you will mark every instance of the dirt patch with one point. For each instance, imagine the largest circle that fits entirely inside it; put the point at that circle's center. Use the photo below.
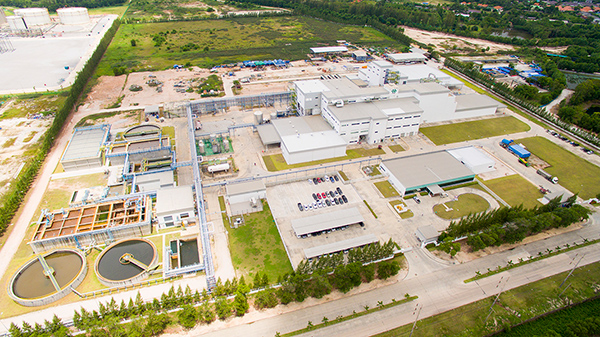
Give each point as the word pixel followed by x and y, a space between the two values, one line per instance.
pixel 106 92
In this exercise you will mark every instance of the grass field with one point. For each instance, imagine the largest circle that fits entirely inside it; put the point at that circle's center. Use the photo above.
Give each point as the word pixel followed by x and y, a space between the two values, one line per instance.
pixel 213 42
pixel 119 10
pixel 515 190
pixel 257 247
pixel 396 148
pixel 528 301
pixel 460 132
pixel 34 103
pixel 276 162
pixel 403 215
pixel 386 189
pixel 466 204
pixel 574 173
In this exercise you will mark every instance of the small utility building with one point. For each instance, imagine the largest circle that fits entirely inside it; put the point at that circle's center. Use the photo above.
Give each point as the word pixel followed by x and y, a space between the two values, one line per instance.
pixel 245 197
pixel 473 158
pixel 425 171
pixel 84 150
pixel 406 58
pixel 174 205
pixel 329 50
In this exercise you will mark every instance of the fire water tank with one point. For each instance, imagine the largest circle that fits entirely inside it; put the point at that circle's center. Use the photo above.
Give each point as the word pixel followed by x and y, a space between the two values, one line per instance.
pixel 34 16
pixel 73 16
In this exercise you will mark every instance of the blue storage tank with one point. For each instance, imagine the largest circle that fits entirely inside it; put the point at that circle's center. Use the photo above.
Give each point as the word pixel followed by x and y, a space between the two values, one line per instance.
pixel 519 151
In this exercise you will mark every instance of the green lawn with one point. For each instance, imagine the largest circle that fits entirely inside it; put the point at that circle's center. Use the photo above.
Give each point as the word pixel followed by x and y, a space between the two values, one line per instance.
pixel 386 189
pixel 206 43
pixel 460 132
pixel 466 204
pixel 30 104
pixel 257 247
pixel 119 10
pixel 529 301
pixel 396 148
pixel 403 215
pixel 276 162
pixel 574 173
pixel 515 190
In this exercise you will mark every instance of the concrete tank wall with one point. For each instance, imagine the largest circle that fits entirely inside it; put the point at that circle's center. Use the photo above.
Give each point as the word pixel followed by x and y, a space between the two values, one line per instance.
pixel 34 16
pixel 16 23
pixel 73 16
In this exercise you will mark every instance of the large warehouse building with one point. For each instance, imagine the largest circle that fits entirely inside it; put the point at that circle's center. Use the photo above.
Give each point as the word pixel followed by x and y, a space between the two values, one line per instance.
pixel 429 171
pixel 85 148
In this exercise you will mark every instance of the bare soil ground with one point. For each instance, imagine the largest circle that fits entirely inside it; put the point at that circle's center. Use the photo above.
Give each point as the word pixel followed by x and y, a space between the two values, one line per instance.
pixel 105 93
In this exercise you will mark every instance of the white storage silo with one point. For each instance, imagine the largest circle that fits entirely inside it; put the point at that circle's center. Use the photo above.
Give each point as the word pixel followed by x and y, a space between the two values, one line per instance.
pixel 258 117
pixel 2 17
pixel 16 23
pixel 73 16
pixel 34 16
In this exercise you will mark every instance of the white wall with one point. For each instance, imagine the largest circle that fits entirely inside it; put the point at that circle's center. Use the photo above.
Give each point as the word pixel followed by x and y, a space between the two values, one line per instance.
pixel 246 197
pixel 393 180
pixel 437 107
pixel 474 113
pixel 308 103
pixel 310 155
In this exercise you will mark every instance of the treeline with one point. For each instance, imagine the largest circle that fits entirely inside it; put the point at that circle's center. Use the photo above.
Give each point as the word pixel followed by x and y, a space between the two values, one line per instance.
pixel 508 93
pixel 53 5
pixel 512 225
pixel 578 111
pixel 182 306
pixel 581 320
pixel 14 196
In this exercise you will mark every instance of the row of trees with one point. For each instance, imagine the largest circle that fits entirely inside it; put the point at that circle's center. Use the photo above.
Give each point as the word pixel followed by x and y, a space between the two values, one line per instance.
pixel 511 225
pixel 53 5
pixel 16 193
pixel 139 318
pixel 578 112
pixel 507 93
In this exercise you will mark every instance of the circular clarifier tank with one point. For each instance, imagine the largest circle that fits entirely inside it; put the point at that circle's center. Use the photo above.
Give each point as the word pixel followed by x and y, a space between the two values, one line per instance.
pixel 48 277
pixel 126 262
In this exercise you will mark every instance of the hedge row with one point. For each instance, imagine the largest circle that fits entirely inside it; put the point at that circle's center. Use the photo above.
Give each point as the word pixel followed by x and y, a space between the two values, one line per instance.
pixel 15 195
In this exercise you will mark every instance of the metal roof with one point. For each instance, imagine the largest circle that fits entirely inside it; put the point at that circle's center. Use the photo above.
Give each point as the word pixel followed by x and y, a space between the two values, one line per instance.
pixel 344 89
pixel 311 86
pixel 312 141
pixel 333 49
pixel 173 200
pixel 476 101
pixel 325 221
pixel 300 125
pixel 426 169
pixel 246 187
pixel 423 88
pixel 86 142
pixel 339 246
pixel 268 134
pixel 427 233
pixel 406 57
pixel 471 156
pixel 154 181
pixel 375 109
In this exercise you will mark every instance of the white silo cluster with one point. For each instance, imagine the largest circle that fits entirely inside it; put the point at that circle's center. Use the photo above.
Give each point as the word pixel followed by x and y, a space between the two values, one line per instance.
pixel 16 23
pixel 73 16
pixel 33 17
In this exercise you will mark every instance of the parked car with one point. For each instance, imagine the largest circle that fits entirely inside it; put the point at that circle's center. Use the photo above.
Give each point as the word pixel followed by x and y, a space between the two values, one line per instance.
pixel 416 199
pixel 336 201
pixel 339 190
pixel 315 197
pixel 328 202
pixel 315 181
pixel 345 199
pixel 331 179
pixel 319 195
pixel 323 195
pixel 336 178
pixel 300 207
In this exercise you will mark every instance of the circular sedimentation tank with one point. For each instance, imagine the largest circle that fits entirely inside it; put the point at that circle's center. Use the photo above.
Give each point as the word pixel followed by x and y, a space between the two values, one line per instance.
pixel 48 277
pixel 126 262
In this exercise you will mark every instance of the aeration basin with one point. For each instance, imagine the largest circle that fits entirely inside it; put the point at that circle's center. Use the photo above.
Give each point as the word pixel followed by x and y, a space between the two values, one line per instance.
pixel 126 262
pixel 48 277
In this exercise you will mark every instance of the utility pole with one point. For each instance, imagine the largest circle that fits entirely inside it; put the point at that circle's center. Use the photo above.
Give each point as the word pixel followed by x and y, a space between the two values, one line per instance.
pixel 571 272
pixel 496 300
pixel 416 319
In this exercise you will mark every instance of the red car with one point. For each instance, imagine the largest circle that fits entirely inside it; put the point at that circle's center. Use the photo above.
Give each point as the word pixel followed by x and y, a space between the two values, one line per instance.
pixel 323 195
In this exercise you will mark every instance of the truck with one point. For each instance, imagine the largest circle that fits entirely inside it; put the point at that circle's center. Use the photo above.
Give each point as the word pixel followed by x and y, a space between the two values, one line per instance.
pixel 516 149
pixel 548 176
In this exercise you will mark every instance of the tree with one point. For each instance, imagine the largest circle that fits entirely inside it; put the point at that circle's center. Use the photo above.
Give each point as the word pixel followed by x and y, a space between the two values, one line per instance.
pixel 156 324
pixel 187 316
pixel 222 308
pixel 265 299
pixel 205 313
pixel 387 269
pixel 240 304
pixel 368 272
pixel 133 42
pixel 320 285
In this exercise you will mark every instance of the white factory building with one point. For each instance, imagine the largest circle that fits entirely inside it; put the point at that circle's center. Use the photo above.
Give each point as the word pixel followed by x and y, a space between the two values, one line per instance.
pixel 379 73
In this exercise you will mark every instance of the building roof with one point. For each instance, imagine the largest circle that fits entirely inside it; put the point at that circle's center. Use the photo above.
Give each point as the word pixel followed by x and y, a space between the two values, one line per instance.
pixel 476 101
pixel 311 86
pixel 339 246
pixel 86 142
pixel 383 64
pixel 427 233
pixel 417 72
pixel 246 187
pixel 312 141
pixel 423 88
pixel 300 125
pixel 422 170
pixel 268 134
pixel 376 109
pixel 332 49
pixel 154 181
pixel 406 57
pixel 151 109
pixel 359 53
pixel 471 156
pixel 325 221
pixel 174 199
pixel 344 89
